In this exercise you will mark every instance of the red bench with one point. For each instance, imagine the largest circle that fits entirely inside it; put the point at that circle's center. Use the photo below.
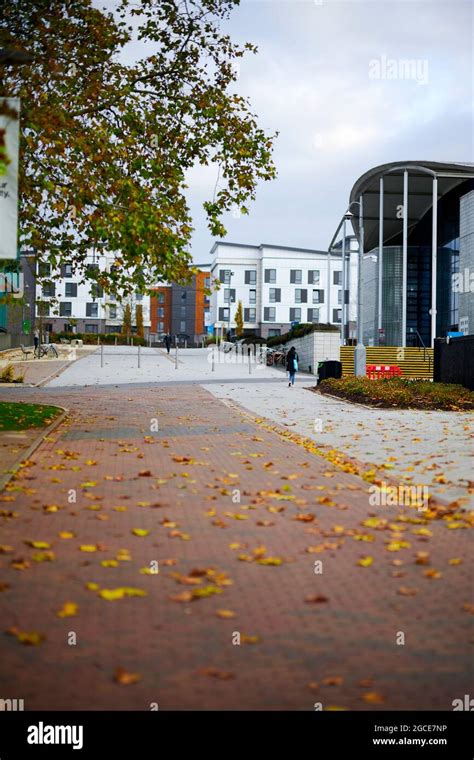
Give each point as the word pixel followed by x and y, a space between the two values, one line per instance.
pixel 377 371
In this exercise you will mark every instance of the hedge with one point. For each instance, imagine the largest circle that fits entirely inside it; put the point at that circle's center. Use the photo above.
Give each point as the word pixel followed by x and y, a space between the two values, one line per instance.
pixel 91 338
pixel 299 331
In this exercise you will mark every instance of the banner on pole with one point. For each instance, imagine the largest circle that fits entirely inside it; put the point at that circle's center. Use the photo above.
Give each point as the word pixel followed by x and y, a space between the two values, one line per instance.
pixel 9 157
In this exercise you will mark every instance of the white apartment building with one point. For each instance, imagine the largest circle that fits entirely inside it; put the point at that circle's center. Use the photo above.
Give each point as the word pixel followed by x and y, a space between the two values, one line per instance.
pixel 67 305
pixel 277 286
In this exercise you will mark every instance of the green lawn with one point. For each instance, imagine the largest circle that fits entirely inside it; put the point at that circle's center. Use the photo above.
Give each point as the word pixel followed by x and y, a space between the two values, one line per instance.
pixel 19 416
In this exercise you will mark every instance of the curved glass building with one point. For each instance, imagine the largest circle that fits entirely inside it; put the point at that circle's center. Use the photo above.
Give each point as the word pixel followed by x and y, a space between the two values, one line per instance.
pixel 415 224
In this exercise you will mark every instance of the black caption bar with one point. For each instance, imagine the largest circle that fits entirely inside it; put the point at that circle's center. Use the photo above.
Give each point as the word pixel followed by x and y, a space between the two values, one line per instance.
pixel 225 734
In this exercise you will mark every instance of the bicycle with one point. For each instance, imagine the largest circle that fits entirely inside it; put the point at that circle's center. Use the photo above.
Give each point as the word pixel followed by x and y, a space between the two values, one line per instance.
pixel 46 349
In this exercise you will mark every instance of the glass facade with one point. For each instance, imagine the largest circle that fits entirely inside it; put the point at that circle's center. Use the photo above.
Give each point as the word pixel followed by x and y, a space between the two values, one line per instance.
pixel 419 264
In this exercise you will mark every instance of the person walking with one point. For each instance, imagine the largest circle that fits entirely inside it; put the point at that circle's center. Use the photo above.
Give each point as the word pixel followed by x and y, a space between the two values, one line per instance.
pixel 291 365
pixel 36 337
pixel 168 342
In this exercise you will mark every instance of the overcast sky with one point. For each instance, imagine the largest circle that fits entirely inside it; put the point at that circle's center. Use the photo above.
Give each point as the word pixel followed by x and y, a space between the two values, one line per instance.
pixel 320 79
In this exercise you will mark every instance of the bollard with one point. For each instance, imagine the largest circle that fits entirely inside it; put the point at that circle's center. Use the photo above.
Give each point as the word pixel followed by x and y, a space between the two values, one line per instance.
pixel 176 357
pixel 102 355
pixel 98 340
pixel 250 363
pixel 115 340
pixel 186 343
pixel 131 342
pixel 139 356
pixel 212 363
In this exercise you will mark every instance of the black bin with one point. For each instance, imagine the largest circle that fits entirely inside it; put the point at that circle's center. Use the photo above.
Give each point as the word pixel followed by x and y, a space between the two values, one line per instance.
pixel 329 368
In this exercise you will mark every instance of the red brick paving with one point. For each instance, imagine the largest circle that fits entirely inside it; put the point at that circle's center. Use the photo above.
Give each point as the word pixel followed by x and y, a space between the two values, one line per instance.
pixel 182 650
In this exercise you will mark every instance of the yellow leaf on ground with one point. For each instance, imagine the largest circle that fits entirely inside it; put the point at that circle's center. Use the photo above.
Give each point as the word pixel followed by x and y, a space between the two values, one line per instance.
pixel 373 698
pixel 225 614
pixel 140 532
pixel 38 544
pixel 124 677
pixel 365 561
pixel 69 609
pixel 88 548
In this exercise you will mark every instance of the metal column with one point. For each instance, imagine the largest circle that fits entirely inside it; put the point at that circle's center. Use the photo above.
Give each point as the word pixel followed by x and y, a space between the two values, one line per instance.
pixel 405 258
pixel 380 266
pixel 434 259
pixel 329 287
pixel 343 309
pixel 360 353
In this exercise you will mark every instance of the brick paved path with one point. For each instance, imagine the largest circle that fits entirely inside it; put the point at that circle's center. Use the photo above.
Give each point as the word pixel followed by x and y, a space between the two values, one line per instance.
pixel 179 484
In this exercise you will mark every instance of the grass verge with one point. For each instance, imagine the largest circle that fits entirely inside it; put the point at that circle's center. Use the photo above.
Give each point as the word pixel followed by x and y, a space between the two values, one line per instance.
pixel 20 416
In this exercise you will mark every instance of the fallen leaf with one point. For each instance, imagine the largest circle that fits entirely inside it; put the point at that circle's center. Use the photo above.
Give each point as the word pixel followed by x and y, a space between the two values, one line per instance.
pixel 69 609
pixel 124 677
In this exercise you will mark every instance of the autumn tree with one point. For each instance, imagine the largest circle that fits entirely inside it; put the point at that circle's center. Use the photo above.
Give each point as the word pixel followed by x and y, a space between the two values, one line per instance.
pixel 139 320
pixel 239 320
pixel 106 146
pixel 127 320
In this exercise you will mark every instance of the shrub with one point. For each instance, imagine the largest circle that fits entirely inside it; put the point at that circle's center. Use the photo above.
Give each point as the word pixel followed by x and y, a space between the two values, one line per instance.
pixel 400 392
pixel 7 374
pixel 299 331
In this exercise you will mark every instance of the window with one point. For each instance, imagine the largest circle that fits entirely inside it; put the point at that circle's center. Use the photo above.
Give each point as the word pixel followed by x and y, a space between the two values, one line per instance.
pixel 270 275
pixel 96 290
pixel 49 289
pixel 269 314
pixel 273 333
pixel 161 326
pixel 139 297
pixel 275 295
pixel 92 329
pixel 182 326
pixel 336 315
pixel 71 289
pixel 313 277
pixel 313 315
pixel 48 327
pixel 68 327
pixel 224 275
pixel 44 269
pixel 92 310
pixel 337 277
pixel 339 296
pixel 301 295
pixel 183 295
pixel 161 311
pixel 67 270
pixel 318 296
pixel 223 314
pixel 296 276
pixel 252 296
pixel 207 282
pixel 295 315
pixel 250 315
pixel 112 312
pixel 182 312
pixel 65 309
pixel 250 276
pixel 161 297
pixel 229 294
